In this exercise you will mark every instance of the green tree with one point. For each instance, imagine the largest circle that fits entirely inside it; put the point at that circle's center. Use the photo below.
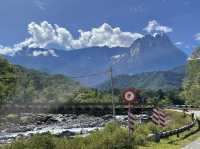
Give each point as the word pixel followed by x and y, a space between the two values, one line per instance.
pixel 191 85
pixel 7 81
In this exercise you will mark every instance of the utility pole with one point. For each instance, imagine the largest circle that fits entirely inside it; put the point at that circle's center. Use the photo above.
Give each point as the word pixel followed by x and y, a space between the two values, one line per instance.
pixel 112 91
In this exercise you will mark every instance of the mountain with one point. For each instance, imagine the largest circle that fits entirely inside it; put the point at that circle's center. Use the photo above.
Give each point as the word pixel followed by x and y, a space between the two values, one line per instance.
pixel 150 53
pixel 70 63
pixel 165 80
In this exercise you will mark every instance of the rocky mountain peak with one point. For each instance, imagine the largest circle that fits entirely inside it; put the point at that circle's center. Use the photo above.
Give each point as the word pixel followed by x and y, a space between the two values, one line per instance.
pixel 151 42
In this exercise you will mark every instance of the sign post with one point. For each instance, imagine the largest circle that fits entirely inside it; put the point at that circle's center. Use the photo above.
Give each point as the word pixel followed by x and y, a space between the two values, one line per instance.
pixel 129 97
pixel 112 91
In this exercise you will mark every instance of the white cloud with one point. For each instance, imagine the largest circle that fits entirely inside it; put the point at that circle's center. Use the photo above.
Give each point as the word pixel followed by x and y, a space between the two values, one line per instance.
pixel 44 34
pixel 44 53
pixel 178 43
pixel 5 50
pixel 105 35
pixel 117 58
pixel 197 36
pixel 153 26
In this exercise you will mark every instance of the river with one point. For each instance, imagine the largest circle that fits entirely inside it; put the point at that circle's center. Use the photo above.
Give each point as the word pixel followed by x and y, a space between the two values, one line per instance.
pixel 24 125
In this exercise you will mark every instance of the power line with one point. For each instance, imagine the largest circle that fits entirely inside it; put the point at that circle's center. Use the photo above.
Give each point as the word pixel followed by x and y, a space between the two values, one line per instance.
pixel 72 76
pixel 112 90
pixel 89 75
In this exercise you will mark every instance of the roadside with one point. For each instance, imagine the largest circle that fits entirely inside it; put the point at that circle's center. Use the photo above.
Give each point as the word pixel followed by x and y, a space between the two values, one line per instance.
pixel 183 142
pixel 195 144
pixel 173 142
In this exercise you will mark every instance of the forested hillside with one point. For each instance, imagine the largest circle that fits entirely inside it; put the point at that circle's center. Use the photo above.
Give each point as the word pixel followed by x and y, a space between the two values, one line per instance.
pixel 18 84
pixel 7 80
pixel 191 83
pixel 21 85
pixel 165 80
pixel 34 86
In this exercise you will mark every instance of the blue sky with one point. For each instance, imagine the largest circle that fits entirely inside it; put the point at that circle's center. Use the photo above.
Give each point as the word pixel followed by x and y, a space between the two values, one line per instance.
pixel 181 16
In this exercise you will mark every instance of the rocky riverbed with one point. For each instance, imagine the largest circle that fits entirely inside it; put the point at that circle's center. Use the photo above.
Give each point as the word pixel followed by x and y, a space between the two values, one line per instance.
pixel 24 125
pixel 14 126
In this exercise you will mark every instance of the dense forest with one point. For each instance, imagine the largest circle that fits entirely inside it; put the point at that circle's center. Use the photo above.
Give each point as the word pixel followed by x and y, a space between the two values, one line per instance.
pixel 7 80
pixel 21 85
pixel 165 80
pixel 191 84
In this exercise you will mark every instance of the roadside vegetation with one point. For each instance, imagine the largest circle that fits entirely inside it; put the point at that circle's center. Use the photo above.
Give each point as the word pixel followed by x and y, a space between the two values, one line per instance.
pixel 174 142
pixel 191 84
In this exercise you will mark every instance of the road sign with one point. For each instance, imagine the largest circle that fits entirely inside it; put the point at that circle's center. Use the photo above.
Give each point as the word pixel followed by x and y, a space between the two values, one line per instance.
pixel 159 117
pixel 131 118
pixel 129 95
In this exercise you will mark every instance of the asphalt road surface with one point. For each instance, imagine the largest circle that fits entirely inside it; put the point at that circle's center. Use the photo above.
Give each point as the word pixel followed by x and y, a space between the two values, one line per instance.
pixel 195 144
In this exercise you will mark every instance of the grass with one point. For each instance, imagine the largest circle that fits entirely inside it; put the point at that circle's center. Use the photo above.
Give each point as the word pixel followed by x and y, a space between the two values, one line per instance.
pixel 174 142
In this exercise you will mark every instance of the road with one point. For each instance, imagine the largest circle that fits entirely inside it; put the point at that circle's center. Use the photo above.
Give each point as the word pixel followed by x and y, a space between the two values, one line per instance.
pixel 195 144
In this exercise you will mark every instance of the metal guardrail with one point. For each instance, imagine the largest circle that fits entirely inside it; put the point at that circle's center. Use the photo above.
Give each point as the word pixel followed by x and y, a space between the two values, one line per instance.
pixel 180 107
pixel 166 134
pixel 176 131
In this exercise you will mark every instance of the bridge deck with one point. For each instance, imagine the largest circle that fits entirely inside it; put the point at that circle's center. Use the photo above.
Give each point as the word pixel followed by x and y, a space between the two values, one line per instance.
pixel 69 108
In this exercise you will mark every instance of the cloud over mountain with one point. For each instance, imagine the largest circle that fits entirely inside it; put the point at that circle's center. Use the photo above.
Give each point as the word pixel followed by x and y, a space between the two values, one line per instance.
pixel 178 43
pixel 153 26
pixel 44 34
pixel 105 35
pixel 44 53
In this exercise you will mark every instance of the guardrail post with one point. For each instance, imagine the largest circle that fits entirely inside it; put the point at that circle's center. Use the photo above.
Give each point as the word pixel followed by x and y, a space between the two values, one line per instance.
pixel 157 137
pixel 184 112
pixel 178 135
pixel 198 122
pixel 193 117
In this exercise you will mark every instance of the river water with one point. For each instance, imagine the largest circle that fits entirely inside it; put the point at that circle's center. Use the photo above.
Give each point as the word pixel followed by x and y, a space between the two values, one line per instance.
pixel 27 124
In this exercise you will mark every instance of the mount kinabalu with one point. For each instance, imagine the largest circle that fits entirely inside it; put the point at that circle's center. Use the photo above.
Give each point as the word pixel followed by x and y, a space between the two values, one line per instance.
pixel 150 53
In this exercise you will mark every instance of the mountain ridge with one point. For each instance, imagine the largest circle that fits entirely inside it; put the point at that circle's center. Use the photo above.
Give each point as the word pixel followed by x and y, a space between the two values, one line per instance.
pixel 165 80
pixel 154 53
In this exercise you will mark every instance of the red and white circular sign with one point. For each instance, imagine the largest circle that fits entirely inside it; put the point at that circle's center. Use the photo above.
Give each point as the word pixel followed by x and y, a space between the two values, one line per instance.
pixel 129 95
